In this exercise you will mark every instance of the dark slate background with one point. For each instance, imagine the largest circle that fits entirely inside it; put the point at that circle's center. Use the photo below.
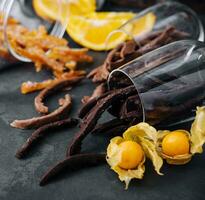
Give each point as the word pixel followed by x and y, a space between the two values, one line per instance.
pixel 19 179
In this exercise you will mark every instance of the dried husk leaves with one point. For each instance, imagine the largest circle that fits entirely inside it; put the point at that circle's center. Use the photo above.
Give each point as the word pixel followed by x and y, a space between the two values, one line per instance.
pixel 151 152
pixel 143 130
pixel 146 135
pixel 113 158
pixel 198 131
pixel 196 138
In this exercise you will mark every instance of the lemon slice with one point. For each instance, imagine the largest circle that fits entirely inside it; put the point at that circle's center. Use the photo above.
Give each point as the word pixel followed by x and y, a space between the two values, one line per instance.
pixel 51 9
pixel 143 24
pixel 92 30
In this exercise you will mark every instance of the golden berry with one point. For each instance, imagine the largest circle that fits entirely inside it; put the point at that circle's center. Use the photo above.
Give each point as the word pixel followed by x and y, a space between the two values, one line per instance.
pixel 175 143
pixel 131 154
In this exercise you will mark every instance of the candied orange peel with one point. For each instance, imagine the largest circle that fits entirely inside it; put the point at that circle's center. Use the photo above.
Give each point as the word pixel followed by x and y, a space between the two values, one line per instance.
pixel 29 86
pixel 45 51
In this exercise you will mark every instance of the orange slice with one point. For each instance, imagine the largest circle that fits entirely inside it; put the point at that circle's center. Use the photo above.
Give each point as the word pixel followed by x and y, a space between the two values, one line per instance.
pixel 55 9
pixel 93 29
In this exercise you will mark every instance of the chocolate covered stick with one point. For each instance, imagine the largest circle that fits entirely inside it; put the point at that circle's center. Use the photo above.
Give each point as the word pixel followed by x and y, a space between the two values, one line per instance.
pixel 38 102
pixel 157 42
pixel 99 90
pixel 85 109
pixel 110 126
pixel 91 119
pixel 41 132
pixel 73 162
pixel 35 122
pixel 123 53
pixel 131 109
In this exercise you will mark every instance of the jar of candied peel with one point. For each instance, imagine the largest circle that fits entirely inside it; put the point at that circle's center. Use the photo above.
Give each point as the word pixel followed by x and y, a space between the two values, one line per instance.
pixel 22 20
pixel 28 24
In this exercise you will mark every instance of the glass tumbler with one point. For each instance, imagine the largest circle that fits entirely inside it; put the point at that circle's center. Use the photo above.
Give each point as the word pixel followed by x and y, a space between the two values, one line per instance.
pixel 159 17
pixel 170 81
pixel 23 11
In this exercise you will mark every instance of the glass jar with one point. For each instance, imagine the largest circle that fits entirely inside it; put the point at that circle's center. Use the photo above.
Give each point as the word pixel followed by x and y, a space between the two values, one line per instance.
pixel 168 13
pixel 170 81
pixel 23 11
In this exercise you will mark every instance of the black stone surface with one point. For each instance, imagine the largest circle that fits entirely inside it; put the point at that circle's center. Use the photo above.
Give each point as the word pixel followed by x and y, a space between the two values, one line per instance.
pixel 19 179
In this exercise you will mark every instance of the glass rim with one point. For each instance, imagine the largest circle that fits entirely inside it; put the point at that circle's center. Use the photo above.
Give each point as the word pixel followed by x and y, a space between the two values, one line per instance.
pixel 133 83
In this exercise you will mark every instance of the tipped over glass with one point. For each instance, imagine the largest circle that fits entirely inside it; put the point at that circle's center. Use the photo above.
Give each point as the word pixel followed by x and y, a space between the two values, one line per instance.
pixel 159 17
pixel 170 81
pixel 24 12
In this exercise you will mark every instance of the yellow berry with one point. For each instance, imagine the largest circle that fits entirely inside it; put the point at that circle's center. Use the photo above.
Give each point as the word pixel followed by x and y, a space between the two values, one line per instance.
pixel 175 143
pixel 131 154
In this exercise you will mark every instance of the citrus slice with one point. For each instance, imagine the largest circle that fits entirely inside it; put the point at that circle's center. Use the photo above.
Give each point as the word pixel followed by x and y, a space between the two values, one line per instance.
pixel 92 30
pixel 51 9
pixel 143 24
pixel 82 6
pixel 111 15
